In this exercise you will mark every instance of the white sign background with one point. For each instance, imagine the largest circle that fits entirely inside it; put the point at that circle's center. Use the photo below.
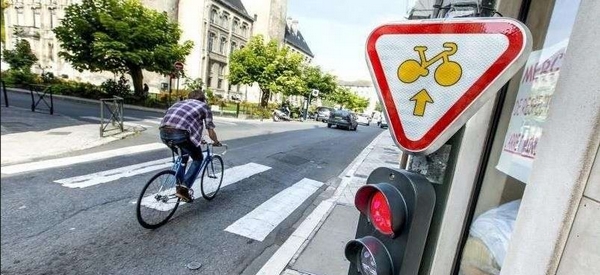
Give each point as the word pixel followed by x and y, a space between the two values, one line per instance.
pixel 472 59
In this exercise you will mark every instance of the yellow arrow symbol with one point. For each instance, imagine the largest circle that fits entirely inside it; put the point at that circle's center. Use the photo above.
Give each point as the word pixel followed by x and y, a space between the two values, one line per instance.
pixel 421 98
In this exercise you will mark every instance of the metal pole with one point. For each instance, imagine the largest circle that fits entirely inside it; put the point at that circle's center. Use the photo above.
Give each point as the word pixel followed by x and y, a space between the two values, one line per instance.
pixel 170 90
pixel 237 110
pixel 307 103
pixel 121 113
pixel 51 101
pixel 32 99
pixel 101 116
pixel 4 91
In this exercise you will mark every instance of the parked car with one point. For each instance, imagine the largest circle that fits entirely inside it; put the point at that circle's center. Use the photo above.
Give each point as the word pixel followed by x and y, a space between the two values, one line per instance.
pixel 382 122
pixel 323 113
pixel 363 119
pixel 344 119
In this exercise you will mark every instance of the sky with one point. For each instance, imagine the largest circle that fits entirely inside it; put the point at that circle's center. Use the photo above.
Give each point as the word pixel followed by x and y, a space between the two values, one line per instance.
pixel 336 31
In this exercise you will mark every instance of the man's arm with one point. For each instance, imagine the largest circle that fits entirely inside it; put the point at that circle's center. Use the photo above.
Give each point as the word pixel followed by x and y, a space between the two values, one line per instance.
pixel 210 127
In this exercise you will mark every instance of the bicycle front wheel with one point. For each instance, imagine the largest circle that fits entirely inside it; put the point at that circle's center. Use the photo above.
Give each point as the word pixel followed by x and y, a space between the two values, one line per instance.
pixel 157 202
pixel 212 178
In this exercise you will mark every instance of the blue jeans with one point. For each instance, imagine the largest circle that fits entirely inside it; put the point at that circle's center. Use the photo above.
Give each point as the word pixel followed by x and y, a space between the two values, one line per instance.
pixel 181 139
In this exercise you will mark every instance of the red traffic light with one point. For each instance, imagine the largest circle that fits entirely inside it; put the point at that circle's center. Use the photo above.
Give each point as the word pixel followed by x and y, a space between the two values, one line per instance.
pixel 384 206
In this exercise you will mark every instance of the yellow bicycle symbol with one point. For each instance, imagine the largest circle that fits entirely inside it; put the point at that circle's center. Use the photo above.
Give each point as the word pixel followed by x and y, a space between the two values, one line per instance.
pixel 446 74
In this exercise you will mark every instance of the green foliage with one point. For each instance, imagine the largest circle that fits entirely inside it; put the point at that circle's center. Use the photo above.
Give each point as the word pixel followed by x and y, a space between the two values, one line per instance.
pixel 118 87
pixel 18 77
pixel 344 97
pixel 193 84
pixel 378 107
pixel 120 36
pixel 79 89
pixel 3 5
pixel 314 78
pixel 21 57
pixel 274 68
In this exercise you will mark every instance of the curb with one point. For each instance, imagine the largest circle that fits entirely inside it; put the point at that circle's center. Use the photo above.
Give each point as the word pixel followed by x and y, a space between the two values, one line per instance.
pixel 291 249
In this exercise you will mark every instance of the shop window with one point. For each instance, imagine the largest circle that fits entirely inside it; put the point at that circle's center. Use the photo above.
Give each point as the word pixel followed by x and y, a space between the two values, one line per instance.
pixel 506 176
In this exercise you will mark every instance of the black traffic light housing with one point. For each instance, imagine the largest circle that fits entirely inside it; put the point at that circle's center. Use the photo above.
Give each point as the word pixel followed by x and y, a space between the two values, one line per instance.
pixel 393 244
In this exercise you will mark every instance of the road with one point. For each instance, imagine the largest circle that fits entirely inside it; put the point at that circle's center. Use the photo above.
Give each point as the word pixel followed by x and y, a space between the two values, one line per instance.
pixel 53 224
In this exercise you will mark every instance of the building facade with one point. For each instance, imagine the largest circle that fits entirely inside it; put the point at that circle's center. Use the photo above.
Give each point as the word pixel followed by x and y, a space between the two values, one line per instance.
pixel 363 89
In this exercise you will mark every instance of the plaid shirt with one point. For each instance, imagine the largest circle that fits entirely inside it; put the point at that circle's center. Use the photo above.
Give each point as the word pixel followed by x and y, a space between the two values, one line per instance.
pixel 189 115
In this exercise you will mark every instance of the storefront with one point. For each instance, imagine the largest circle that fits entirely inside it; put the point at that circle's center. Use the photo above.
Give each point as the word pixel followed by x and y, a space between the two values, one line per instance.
pixel 521 194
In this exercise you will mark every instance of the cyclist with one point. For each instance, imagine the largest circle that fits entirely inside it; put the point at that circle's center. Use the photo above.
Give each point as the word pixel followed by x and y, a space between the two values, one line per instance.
pixel 182 126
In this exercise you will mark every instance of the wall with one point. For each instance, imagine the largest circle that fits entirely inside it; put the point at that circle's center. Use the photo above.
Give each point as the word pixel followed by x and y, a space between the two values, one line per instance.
pixel 555 210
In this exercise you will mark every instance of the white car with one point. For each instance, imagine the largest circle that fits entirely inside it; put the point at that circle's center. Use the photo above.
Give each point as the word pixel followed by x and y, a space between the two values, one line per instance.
pixel 363 119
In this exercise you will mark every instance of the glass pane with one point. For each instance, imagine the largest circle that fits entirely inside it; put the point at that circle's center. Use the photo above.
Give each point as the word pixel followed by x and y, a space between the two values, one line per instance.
pixel 506 176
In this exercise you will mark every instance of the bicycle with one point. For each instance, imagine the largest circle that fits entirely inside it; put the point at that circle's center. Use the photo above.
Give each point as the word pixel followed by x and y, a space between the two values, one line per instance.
pixel 163 201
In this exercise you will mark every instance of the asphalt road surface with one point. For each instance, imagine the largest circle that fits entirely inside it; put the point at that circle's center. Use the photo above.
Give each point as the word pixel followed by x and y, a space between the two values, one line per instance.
pixel 53 224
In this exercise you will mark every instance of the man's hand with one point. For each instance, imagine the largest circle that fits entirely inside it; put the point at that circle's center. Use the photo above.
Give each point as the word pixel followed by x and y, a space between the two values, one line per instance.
pixel 217 144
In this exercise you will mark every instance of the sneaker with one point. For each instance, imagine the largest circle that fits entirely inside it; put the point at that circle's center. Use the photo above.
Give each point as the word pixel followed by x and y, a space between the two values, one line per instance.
pixel 183 193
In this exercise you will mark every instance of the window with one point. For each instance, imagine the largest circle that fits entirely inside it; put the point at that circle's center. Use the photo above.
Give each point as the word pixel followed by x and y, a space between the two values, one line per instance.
pixel 211 41
pixel 223 45
pixel 245 30
pixel 51 18
pixel 221 72
pixel 214 14
pixel 233 47
pixel 36 18
pixel 236 25
pixel 505 177
pixel 225 20
pixel 20 18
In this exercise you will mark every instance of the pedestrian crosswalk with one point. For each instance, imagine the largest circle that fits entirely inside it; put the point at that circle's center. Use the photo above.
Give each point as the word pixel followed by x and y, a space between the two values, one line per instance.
pixel 256 224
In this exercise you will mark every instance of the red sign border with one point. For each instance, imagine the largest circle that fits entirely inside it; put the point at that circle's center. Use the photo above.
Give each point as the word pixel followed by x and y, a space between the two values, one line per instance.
pixel 515 47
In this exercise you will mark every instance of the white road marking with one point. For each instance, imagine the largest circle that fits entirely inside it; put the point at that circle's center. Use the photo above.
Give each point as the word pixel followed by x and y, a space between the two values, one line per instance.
pixel 232 175
pixel 53 163
pixel 263 219
pixel 125 122
pixel 115 174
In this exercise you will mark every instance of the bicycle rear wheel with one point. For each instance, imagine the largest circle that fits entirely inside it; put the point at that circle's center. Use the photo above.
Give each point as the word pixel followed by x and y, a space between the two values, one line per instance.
pixel 157 202
pixel 212 178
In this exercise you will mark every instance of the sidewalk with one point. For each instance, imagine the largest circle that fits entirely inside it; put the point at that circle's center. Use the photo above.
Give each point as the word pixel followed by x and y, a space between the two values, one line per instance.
pixel 27 136
pixel 320 251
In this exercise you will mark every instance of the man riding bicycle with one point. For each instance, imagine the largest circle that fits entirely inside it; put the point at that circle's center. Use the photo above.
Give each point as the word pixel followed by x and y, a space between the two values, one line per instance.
pixel 182 127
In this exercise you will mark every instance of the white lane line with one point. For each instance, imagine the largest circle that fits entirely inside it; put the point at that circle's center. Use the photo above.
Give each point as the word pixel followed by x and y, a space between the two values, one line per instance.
pixel 53 163
pixel 151 121
pixel 115 174
pixel 263 219
pixel 232 175
pixel 126 122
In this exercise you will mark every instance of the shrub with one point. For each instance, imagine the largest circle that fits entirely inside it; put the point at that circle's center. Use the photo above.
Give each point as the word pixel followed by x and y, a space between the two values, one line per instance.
pixel 20 77
pixel 118 88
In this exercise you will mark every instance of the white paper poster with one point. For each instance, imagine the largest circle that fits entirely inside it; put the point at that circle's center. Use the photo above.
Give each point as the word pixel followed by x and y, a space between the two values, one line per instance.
pixel 530 111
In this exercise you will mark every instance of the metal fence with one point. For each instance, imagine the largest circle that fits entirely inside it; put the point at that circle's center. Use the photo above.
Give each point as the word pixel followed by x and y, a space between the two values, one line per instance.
pixel 39 94
pixel 4 92
pixel 114 106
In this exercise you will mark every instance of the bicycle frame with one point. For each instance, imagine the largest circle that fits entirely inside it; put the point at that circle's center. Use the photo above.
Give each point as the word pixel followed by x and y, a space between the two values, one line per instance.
pixel 179 163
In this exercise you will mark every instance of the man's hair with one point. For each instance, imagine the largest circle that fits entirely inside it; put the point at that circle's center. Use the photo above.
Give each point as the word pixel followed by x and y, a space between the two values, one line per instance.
pixel 198 95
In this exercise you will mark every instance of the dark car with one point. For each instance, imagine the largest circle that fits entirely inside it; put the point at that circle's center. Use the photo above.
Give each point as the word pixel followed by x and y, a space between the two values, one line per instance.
pixel 323 113
pixel 343 119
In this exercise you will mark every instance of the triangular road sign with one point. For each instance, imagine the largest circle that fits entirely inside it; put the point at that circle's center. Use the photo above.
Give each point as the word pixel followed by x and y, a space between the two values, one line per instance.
pixel 432 76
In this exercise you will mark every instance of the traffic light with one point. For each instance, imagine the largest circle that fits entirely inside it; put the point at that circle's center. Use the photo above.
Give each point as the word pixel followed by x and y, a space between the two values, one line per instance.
pixel 396 207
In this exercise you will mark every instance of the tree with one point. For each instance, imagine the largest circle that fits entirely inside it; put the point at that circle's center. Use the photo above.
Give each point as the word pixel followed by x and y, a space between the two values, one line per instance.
pixel 274 68
pixel 120 36
pixel 3 5
pixel 21 57
pixel 344 97
pixel 314 78
pixel 378 107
